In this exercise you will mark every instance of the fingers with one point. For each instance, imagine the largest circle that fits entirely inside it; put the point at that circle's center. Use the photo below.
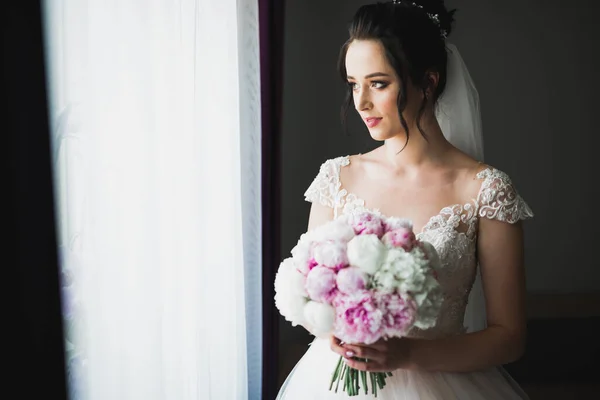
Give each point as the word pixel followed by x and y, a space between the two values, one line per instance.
pixel 348 351
pixel 362 352
pixel 336 346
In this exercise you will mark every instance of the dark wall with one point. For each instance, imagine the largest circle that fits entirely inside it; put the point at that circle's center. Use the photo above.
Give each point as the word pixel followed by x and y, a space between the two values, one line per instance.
pixel 534 64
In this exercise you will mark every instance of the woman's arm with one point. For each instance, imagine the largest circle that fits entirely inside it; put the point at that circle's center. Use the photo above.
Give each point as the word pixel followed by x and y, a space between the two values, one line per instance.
pixel 319 214
pixel 500 255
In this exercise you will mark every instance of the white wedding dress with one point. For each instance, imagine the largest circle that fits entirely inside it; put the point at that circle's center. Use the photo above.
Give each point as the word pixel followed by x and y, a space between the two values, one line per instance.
pixel 453 232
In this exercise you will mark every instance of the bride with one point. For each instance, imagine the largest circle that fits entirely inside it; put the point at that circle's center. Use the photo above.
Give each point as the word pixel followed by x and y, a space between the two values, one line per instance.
pixel 414 94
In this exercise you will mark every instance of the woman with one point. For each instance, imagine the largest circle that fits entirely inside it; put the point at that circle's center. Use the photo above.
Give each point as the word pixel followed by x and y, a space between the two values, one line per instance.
pixel 396 63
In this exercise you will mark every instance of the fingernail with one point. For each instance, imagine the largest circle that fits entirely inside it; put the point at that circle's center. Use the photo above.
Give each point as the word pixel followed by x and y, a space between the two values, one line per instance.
pixel 350 353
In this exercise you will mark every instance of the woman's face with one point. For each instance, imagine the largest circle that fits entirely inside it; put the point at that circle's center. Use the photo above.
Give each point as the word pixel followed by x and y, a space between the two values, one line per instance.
pixel 375 86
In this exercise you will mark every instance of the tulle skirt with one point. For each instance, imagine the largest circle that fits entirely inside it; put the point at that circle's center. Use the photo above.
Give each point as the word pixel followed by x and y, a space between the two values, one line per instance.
pixel 311 377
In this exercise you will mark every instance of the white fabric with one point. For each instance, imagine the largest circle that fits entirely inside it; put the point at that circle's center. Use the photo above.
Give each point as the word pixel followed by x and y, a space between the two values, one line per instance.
pixel 458 111
pixel 453 233
pixel 150 105
pixel 459 117
pixel 311 377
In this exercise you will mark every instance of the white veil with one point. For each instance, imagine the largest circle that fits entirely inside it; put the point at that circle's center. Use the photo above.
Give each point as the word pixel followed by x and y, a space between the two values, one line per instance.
pixel 459 117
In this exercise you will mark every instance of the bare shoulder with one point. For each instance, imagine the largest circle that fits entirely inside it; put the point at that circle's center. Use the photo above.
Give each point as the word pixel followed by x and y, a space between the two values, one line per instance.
pixel 354 170
pixel 365 164
pixel 467 171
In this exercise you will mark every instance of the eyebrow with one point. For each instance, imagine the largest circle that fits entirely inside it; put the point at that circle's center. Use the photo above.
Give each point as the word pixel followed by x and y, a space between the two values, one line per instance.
pixel 373 75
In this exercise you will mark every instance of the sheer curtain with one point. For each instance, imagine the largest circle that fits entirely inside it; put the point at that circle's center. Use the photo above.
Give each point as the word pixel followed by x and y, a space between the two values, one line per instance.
pixel 154 109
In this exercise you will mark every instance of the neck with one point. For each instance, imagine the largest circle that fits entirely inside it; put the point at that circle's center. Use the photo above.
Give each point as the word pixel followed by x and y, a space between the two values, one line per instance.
pixel 418 151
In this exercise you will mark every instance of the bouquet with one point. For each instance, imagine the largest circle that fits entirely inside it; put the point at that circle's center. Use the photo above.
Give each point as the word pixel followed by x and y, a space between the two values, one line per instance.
pixel 361 277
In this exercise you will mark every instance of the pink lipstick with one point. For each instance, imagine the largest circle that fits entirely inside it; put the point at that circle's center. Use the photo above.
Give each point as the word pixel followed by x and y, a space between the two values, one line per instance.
pixel 372 122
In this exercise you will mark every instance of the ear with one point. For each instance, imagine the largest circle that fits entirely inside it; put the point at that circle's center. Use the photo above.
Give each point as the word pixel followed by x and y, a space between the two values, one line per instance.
pixel 431 81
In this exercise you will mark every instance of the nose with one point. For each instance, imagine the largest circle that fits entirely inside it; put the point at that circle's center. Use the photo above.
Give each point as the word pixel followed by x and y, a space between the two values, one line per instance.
pixel 362 100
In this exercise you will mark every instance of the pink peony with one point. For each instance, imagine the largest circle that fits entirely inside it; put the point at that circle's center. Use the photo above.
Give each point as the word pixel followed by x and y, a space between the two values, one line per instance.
pixel 321 284
pixel 367 223
pixel 400 314
pixel 331 254
pixel 401 237
pixel 358 319
pixel 350 280
pixel 302 254
pixel 305 267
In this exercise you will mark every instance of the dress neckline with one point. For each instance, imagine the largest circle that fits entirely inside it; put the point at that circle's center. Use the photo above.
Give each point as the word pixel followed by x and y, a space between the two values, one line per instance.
pixel 433 219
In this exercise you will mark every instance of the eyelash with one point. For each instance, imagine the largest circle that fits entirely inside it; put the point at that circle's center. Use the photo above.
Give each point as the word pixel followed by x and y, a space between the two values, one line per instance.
pixel 382 84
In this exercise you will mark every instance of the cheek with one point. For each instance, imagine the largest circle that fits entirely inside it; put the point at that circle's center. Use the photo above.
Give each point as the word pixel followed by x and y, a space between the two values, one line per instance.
pixel 388 104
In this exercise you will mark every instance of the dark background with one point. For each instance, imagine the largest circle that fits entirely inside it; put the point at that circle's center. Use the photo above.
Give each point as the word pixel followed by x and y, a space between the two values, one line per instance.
pixel 32 336
pixel 535 66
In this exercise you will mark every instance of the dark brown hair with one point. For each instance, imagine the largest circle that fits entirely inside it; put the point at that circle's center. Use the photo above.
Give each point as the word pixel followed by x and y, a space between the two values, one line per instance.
pixel 414 46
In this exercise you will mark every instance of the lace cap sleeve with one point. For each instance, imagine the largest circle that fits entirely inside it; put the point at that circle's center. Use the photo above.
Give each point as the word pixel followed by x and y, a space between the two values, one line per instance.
pixel 325 187
pixel 498 198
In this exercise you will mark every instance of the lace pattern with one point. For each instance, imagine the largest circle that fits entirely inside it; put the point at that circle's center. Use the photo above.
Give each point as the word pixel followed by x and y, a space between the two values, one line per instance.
pixel 453 232
pixel 498 199
pixel 326 188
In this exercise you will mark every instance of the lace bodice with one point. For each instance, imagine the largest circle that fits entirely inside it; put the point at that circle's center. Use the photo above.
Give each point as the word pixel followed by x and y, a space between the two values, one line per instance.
pixel 453 232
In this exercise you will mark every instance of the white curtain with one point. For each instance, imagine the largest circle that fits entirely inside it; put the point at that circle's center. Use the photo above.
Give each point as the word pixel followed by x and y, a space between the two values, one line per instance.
pixel 154 108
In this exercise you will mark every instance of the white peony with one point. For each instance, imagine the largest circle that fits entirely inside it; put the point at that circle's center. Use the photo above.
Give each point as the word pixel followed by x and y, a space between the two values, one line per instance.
pixel 428 308
pixel 290 294
pixel 320 317
pixel 406 272
pixel 336 230
pixel 366 252
pixel 386 278
pixel 428 263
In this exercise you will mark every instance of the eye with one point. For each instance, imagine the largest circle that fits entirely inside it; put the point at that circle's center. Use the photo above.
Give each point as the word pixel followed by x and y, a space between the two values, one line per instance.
pixel 374 84
pixel 379 84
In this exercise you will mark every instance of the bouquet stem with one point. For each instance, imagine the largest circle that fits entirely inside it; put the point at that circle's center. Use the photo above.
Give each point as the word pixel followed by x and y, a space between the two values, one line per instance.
pixel 351 378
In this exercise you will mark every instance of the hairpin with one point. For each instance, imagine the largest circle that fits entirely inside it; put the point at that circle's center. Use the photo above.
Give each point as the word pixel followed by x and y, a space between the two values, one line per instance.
pixel 434 17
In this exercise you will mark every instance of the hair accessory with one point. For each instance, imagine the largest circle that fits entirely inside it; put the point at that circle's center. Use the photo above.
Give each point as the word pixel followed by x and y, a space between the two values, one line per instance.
pixel 434 17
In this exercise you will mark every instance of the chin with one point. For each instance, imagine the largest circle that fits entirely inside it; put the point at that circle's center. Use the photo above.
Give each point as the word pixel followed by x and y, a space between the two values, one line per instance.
pixel 379 135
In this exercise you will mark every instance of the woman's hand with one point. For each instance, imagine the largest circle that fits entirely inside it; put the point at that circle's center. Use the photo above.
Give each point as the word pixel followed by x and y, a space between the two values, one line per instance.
pixel 381 356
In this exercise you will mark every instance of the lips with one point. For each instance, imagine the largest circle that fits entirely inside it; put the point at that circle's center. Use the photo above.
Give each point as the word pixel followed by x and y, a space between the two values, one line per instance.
pixel 372 121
